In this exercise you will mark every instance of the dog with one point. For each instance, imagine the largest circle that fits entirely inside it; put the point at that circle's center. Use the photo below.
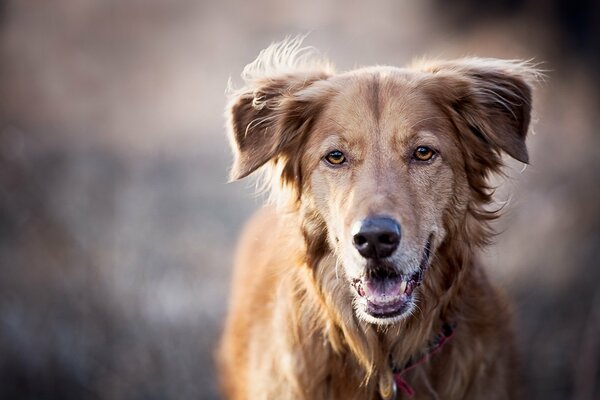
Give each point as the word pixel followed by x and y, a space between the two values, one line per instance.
pixel 360 279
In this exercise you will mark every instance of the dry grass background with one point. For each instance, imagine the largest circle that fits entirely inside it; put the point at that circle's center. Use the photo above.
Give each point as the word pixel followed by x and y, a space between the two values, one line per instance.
pixel 116 222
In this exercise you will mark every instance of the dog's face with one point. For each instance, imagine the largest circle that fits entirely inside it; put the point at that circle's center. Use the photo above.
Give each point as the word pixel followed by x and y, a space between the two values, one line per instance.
pixel 385 157
pixel 383 166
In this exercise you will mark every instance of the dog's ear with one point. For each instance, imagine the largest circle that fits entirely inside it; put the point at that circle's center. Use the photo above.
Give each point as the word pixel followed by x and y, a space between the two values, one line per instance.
pixel 488 98
pixel 280 101
pixel 267 119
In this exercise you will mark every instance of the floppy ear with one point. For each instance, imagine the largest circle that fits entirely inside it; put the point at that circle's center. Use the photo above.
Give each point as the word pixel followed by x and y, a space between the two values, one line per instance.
pixel 267 119
pixel 490 99
pixel 276 106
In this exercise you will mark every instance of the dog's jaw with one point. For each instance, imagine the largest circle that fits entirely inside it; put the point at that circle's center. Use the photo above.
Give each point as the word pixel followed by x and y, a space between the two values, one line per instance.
pixel 382 296
pixel 384 301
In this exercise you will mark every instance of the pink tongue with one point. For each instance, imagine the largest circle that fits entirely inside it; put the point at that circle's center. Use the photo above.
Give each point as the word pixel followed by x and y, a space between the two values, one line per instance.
pixel 384 288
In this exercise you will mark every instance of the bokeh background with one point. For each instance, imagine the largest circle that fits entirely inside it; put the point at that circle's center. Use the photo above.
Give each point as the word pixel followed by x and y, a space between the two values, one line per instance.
pixel 117 224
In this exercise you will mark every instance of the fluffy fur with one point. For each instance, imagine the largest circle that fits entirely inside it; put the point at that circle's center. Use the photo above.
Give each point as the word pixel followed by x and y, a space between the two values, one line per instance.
pixel 295 328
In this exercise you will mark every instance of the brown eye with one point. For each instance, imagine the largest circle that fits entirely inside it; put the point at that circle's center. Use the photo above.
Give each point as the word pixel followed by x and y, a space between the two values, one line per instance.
pixel 423 153
pixel 336 157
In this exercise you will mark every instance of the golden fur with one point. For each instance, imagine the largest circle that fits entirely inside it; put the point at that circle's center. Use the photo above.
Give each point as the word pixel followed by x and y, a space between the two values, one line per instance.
pixel 295 328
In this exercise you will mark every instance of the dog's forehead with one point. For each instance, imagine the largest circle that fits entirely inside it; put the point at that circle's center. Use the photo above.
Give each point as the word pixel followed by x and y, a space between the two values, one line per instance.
pixel 380 101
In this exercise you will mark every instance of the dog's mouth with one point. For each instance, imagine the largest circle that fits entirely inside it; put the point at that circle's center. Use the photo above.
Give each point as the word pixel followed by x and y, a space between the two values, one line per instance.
pixel 384 293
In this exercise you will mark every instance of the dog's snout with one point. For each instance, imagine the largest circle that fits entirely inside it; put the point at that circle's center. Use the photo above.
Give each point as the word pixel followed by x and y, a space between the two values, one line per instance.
pixel 376 237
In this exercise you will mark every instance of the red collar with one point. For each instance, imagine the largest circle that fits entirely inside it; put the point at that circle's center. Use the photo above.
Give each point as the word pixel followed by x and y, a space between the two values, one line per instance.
pixel 434 346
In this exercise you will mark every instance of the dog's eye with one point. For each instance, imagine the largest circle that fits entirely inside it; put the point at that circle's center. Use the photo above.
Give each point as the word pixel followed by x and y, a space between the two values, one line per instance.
pixel 423 153
pixel 336 157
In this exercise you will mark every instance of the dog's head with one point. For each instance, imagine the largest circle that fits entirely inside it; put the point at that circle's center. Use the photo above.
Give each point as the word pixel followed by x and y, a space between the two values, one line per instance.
pixel 391 162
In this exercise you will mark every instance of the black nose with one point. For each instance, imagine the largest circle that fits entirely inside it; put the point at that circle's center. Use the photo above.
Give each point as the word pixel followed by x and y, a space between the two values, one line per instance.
pixel 376 237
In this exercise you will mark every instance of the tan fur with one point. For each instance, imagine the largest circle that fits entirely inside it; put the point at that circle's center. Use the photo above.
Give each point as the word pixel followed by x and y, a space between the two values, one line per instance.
pixel 294 329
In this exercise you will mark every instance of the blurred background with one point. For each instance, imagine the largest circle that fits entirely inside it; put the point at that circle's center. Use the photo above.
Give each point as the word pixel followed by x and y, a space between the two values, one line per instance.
pixel 116 222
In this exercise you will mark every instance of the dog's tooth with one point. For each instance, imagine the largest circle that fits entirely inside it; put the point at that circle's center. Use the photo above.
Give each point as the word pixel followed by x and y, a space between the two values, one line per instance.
pixel 361 291
pixel 403 286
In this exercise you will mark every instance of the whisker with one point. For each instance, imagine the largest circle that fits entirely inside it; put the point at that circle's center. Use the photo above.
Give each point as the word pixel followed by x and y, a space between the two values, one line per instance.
pixel 337 264
pixel 423 120
pixel 337 123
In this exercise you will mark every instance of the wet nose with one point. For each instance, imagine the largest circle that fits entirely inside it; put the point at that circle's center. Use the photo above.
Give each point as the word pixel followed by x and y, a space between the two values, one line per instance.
pixel 376 237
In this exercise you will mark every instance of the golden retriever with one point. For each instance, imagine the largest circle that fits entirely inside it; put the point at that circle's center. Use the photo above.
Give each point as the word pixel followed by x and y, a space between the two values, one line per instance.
pixel 361 280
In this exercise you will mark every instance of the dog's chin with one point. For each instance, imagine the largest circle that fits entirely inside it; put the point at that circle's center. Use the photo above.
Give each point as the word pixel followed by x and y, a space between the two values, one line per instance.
pixel 385 296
